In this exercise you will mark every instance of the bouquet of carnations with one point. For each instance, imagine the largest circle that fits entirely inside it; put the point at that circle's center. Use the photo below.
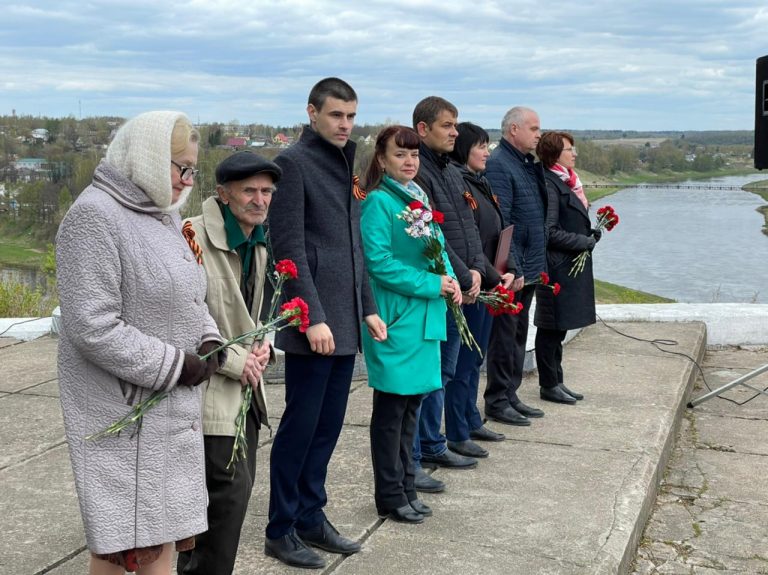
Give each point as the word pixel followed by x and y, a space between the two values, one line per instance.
pixel 607 219
pixel 420 221
pixel 500 301
pixel 292 313
pixel 543 280
pixel 284 270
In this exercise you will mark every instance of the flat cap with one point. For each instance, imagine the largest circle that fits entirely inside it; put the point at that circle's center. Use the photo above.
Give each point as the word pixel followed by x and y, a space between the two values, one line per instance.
pixel 244 164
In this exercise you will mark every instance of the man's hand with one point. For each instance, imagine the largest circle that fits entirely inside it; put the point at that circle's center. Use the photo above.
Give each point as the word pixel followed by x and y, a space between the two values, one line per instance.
pixel 518 284
pixel 507 280
pixel 262 352
pixel 321 339
pixel 253 369
pixel 476 279
pixel 376 327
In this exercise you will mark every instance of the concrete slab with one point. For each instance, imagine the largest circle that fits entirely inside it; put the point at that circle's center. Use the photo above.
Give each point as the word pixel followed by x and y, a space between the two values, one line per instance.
pixel 27 365
pixel 712 509
pixel 40 521
pixel 568 495
pixel 29 426
pixel 6 341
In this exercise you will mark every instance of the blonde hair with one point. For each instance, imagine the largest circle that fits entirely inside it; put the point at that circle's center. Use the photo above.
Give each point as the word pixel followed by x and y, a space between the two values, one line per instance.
pixel 182 135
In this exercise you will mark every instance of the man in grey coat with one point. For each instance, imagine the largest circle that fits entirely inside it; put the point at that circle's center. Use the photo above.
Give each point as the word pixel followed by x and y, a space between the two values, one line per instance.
pixel 314 220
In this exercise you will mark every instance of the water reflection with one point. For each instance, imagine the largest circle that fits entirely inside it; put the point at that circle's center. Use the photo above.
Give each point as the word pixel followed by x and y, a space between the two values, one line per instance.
pixel 696 246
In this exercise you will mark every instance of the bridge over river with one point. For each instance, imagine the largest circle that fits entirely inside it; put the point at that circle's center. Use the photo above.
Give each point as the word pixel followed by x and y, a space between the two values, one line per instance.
pixel 674 186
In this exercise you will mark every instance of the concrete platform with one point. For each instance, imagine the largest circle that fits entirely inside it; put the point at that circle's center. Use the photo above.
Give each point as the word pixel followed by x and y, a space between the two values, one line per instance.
pixel 568 495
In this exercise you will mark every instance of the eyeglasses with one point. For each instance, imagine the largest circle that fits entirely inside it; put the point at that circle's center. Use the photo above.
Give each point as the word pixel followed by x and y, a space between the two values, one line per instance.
pixel 186 172
pixel 571 149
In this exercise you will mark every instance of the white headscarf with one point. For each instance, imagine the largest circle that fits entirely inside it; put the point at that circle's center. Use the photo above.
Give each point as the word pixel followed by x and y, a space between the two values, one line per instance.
pixel 141 151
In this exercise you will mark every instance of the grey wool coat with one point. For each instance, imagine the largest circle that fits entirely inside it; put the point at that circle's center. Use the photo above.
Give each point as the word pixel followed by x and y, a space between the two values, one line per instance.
pixel 314 220
pixel 133 301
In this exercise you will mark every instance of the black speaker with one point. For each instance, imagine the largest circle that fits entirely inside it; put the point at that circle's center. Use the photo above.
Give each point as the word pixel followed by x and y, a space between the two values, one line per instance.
pixel 761 115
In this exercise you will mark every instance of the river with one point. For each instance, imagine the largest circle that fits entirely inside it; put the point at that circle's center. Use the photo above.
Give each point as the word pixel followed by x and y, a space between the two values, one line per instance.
pixel 691 245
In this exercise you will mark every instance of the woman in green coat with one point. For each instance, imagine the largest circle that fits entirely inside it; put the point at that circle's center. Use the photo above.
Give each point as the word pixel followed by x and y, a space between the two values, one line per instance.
pixel 410 299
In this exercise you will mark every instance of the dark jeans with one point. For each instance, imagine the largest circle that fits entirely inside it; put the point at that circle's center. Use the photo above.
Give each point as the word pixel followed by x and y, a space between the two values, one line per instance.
pixel 428 438
pixel 506 355
pixel 461 413
pixel 549 356
pixel 316 393
pixel 229 491
pixel 393 424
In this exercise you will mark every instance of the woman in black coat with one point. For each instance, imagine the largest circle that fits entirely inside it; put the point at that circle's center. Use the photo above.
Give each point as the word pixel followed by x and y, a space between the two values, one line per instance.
pixel 569 232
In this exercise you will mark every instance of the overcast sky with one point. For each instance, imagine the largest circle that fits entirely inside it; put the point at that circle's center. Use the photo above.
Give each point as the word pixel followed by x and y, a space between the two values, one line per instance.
pixel 600 64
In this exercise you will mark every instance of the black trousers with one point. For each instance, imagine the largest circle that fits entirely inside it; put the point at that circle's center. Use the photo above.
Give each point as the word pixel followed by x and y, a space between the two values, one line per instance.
pixel 316 393
pixel 216 549
pixel 549 356
pixel 393 424
pixel 506 355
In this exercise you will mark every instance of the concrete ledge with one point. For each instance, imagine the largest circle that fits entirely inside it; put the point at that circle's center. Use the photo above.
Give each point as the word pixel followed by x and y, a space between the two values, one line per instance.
pixel 727 323
pixel 25 328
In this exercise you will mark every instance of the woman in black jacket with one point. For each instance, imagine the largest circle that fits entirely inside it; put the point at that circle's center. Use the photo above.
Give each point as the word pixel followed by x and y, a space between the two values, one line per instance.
pixel 569 232
pixel 462 418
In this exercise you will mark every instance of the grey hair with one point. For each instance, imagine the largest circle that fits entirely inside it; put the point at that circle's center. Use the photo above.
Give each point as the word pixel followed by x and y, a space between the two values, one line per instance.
pixel 514 115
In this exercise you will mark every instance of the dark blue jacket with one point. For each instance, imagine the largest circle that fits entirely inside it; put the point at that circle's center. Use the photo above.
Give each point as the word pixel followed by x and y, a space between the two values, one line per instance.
pixel 518 182
pixel 314 220
pixel 445 187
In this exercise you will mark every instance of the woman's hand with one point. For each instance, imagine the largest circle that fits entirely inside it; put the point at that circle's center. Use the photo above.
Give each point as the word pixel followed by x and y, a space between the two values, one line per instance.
pixel 377 329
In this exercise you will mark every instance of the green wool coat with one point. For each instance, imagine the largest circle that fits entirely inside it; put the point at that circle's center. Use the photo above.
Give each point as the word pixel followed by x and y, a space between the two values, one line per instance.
pixel 407 296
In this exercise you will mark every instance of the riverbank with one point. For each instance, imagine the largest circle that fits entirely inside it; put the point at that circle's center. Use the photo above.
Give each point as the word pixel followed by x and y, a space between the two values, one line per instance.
pixel 621 181
pixel 761 189
pixel 608 293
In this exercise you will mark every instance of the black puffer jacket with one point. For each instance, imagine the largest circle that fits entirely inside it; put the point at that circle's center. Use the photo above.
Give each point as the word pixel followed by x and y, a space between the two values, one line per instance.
pixel 445 187
pixel 518 182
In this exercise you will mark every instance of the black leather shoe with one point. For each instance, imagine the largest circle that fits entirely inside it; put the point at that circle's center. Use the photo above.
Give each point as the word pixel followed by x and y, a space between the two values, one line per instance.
pixel 404 514
pixel 468 448
pixel 450 459
pixel 527 410
pixel 326 537
pixel 509 416
pixel 420 507
pixel 556 395
pixel 573 394
pixel 292 551
pixel 482 433
pixel 426 484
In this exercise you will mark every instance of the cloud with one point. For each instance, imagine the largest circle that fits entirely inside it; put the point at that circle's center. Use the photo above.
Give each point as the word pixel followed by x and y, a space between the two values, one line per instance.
pixel 616 64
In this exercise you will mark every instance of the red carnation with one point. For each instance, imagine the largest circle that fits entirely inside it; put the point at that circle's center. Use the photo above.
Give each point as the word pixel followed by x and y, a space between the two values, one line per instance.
pixel 438 217
pixel 287 268
pixel 296 312
pixel 415 205
pixel 544 278
pixel 556 288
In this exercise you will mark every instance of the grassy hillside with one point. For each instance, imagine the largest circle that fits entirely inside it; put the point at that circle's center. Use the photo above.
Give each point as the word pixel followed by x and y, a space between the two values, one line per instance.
pixel 611 293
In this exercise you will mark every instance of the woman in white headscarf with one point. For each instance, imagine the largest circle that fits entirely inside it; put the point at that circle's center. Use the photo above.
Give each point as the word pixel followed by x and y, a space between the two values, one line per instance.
pixel 134 321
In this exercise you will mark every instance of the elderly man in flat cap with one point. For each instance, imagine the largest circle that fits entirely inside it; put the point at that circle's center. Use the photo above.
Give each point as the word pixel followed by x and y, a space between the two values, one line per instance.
pixel 229 240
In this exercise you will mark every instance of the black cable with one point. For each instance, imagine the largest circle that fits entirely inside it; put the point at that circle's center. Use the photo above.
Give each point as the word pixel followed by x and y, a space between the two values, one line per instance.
pixel 658 342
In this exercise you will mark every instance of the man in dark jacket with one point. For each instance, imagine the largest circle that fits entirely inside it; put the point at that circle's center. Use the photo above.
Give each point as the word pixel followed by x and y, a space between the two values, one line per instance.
pixel 314 220
pixel 518 182
pixel 434 119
